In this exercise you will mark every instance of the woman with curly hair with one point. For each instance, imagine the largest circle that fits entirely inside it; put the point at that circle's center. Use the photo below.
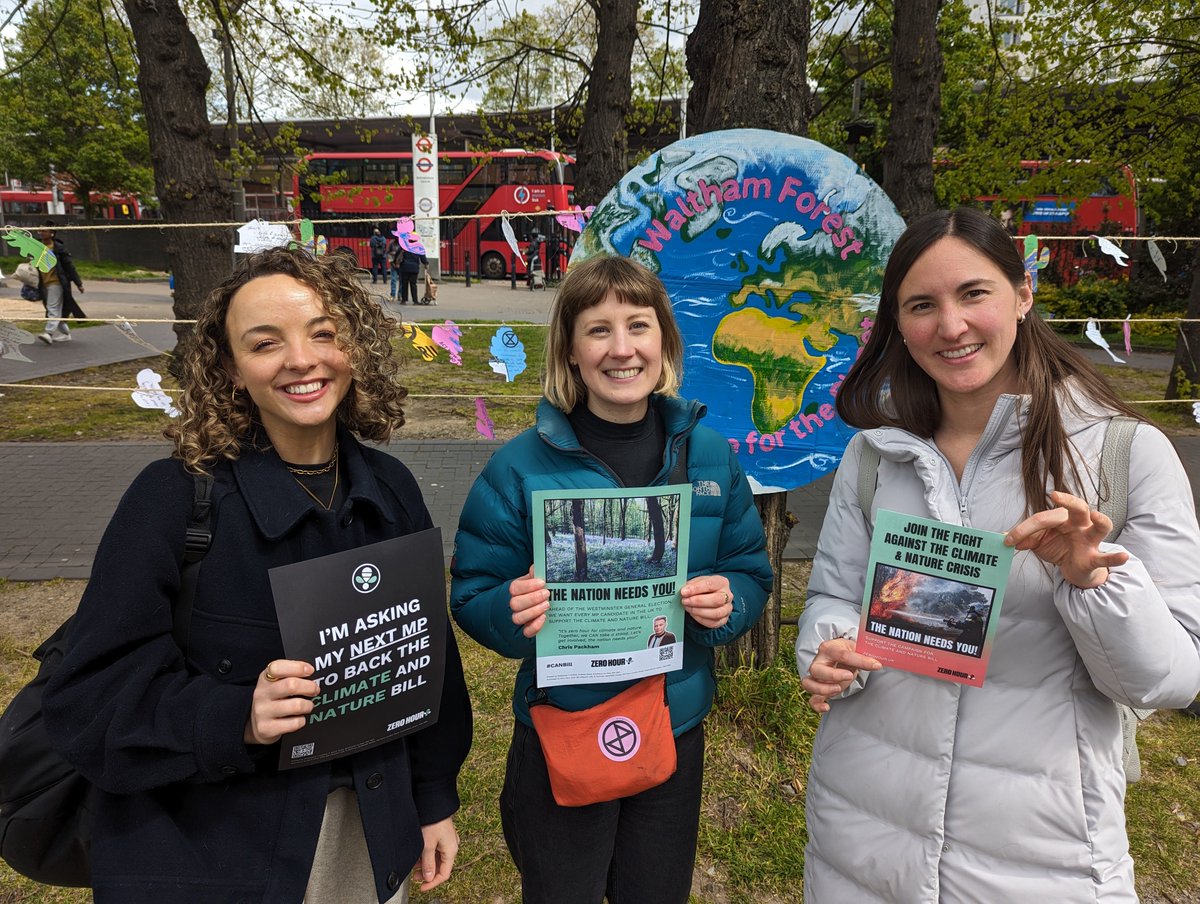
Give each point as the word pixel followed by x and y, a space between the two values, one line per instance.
pixel 289 361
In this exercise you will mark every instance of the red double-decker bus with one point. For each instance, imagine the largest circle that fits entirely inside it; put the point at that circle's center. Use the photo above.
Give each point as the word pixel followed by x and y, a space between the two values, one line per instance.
pixel 1110 209
pixel 23 202
pixel 482 184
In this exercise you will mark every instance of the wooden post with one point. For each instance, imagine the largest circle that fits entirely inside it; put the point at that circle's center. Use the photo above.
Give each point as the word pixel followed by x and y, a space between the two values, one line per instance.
pixel 759 647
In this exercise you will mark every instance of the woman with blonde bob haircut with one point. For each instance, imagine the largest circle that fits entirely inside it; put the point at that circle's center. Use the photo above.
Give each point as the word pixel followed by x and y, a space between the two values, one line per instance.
pixel 589 283
pixel 611 418
pixel 180 730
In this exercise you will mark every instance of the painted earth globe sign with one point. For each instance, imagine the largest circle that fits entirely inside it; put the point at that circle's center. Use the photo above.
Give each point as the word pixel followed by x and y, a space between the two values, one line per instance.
pixel 772 248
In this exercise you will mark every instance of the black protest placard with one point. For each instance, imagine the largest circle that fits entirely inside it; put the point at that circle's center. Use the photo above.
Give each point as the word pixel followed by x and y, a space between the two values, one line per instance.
pixel 372 621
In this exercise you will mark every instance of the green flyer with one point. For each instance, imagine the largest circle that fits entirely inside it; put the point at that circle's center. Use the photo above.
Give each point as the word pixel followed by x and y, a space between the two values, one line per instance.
pixel 933 595
pixel 613 561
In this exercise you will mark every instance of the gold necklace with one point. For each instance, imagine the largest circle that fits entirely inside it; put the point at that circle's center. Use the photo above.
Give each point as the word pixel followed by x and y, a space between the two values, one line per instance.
pixel 324 469
pixel 337 473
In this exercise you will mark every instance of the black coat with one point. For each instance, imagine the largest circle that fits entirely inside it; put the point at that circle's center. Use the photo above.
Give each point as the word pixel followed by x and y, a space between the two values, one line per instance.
pixel 408 262
pixel 192 813
pixel 67 274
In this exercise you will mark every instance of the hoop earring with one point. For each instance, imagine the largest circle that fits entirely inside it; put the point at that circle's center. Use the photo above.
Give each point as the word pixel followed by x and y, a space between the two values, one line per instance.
pixel 1020 319
pixel 233 393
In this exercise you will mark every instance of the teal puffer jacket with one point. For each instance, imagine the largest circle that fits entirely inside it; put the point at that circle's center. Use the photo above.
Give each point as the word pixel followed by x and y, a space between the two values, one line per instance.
pixel 494 546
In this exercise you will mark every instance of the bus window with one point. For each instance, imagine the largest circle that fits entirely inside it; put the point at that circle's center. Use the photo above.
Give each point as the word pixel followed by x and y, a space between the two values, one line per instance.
pixel 348 172
pixel 452 172
pixel 379 172
pixel 489 175
pixel 526 172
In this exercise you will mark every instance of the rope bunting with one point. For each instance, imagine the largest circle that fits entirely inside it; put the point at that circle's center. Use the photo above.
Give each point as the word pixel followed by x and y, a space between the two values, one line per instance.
pixel 367 219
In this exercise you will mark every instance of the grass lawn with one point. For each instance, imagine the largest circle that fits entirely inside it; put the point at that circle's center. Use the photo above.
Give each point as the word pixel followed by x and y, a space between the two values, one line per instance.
pixel 759 734
pixel 113 270
pixel 441 396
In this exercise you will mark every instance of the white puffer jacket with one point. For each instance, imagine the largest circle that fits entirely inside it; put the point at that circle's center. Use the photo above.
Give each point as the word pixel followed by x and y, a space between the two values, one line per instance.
pixel 928 791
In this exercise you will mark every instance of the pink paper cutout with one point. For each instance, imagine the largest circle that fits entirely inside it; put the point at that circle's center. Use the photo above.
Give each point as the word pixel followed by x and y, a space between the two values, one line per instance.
pixel 575 219
pixel 483 421
pixel 1128 336
pixel 407 237
pixel 449 337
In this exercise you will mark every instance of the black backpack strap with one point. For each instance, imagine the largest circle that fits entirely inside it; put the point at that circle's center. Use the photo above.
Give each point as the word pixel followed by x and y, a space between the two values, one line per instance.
pixel 198 540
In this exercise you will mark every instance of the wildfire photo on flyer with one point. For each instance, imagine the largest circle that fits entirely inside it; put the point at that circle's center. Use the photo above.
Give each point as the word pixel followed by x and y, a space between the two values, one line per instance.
pixel 938 618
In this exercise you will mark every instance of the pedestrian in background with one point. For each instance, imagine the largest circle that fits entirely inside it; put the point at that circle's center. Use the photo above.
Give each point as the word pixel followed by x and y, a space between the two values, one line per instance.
pixel 378 257
pixel 408 264
pixel 54 288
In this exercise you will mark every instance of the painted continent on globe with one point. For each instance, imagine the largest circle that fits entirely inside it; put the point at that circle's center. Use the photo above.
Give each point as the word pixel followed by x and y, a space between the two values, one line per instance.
pixel 772 248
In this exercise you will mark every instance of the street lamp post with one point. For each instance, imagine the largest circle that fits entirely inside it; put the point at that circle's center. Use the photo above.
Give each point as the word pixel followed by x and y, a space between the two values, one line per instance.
pixel 547 73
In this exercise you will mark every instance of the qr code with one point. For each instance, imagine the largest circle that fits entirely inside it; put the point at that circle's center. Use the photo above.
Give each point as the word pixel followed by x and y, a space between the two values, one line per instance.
pixel 667 652
pixel 302 750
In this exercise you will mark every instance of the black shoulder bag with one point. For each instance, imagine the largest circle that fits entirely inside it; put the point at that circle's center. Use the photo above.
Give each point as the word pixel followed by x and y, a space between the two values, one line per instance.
pixel 45 804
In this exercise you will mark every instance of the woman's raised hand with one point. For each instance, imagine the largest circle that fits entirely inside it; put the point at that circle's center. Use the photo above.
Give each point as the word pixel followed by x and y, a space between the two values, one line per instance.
pixel 530 601
pixel 834 667
pixel 282 701
pixel 1068 536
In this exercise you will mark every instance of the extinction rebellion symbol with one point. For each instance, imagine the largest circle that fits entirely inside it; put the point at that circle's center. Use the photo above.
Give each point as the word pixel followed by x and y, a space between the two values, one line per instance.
pixel 619 738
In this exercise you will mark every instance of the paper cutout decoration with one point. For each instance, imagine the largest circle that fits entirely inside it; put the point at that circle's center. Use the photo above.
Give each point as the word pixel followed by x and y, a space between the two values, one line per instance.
pixel 1092 331
pixel 511 238
pixel 316 245
pixel 508 354
pixel 150 393
pixel 12 337
pixel 1035 260
pixel 1196 411
pixel 483 421
pixel 1127 329
pixel 449 337
pixel 575 219
pixel 405 233
pixel 1156 255
pixel 1112 249
pixel 421 342
pixel 126 329
pixel 41 255
pixel 259 235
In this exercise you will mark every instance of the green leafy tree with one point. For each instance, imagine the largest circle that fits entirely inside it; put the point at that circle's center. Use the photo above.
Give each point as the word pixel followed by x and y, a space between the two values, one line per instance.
pixel 70 103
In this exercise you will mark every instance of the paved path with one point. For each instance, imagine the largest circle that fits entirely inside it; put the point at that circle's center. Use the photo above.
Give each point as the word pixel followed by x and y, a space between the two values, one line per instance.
pixel 57 498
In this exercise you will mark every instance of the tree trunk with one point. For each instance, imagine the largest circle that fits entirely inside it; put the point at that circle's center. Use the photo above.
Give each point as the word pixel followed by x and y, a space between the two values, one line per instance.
pixel 173 78
pixel 657 533
pixel 580 540
pixel 1184 380
pixel 602 147
pixel 759 647
pixel 747 61
pixel 916 104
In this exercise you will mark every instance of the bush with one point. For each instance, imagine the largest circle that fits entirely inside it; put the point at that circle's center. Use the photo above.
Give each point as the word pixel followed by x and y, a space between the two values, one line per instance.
pixel 1107 299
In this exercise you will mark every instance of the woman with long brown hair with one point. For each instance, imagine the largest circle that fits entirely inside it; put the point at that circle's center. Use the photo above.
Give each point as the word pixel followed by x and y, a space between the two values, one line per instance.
pixel 979 415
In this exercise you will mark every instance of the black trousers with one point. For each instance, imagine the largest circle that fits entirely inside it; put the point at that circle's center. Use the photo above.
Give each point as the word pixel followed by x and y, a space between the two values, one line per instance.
pixel 634 850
